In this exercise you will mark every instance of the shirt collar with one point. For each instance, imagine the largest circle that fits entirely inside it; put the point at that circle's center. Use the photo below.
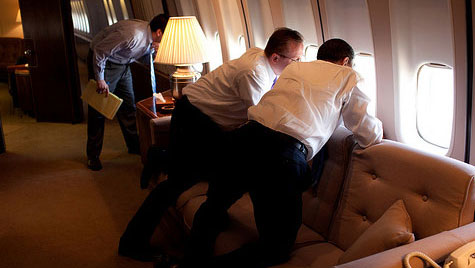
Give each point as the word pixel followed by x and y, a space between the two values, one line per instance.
pixel 149 35
pixel 270 72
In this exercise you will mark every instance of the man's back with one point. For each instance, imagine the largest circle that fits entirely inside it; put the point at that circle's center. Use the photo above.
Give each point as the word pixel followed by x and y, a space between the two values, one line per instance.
pixel 123 41
pixel 226 93
pixel 307 102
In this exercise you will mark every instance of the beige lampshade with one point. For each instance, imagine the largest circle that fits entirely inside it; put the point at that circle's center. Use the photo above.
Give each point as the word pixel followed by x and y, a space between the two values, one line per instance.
pixel 183 42
pixel 18 16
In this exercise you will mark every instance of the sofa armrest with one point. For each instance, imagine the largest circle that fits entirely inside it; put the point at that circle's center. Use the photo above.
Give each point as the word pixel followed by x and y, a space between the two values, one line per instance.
pixel 437 247
pixel 160 131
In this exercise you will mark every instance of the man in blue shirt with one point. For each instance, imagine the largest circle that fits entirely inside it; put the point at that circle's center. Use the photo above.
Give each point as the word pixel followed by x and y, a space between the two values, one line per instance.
pixel 111 52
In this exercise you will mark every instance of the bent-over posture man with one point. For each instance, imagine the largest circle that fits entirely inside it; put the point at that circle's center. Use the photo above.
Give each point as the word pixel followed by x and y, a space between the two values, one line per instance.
pixel 215 103
pixel 111 52
pixel 287 128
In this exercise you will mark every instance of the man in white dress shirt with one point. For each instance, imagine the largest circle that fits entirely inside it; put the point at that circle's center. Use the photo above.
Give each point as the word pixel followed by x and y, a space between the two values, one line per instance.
pixel 269 156
pixel 216 103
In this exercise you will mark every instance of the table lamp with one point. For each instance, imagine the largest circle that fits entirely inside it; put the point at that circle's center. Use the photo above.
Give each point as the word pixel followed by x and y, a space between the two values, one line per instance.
pixel 183 44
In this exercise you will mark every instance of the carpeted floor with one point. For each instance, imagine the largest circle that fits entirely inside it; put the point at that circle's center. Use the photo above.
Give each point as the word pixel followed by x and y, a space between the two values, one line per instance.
pixel 54 211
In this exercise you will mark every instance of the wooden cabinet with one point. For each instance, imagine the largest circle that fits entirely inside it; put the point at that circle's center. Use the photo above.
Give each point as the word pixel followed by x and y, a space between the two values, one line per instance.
pixel 24 91
pixel 153 126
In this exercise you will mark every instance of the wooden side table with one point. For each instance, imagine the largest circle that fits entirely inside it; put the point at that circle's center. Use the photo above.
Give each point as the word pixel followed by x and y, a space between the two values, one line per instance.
pixel 145 118
pixel 25 92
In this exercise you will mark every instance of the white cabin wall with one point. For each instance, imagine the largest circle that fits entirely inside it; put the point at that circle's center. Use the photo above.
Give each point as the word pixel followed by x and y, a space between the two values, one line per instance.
pixel 422 33
pixel 230 27
pixel 185 7
pixel 299 15
pixel 208 21
pixel 402 35
pixel 381 32
pixel 349 20
pixel 259 21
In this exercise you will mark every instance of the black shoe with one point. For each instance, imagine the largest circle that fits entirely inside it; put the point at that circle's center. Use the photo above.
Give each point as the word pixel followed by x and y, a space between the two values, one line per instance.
pixel 94 164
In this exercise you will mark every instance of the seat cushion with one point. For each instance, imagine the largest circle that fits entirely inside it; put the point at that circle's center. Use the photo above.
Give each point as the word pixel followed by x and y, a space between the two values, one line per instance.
pixel 242 228
pixel 393 229
pixel 319 204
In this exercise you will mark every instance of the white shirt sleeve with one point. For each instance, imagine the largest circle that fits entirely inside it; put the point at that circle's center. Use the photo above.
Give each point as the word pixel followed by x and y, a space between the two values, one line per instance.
pixel 368 130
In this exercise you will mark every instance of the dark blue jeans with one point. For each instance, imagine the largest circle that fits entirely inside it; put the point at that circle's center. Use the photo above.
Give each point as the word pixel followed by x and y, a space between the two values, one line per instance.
pixel 269 166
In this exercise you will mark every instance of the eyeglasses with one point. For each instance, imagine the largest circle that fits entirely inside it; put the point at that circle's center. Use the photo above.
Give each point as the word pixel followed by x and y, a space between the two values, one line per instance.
pixel 294 60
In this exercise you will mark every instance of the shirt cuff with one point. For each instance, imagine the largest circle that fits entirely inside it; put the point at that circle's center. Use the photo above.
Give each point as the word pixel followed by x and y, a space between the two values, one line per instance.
pixel 100 76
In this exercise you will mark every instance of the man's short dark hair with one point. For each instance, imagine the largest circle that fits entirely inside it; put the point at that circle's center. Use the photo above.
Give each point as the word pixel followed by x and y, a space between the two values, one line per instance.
pixel 159 22
pixel 334 50
pixel 279 40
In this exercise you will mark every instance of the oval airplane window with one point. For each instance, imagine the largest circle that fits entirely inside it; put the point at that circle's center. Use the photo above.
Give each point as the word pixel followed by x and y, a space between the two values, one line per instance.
pixel 298 15
pixel 230 26
pixel 242 44
pixel 364 65
pixel 435 104
pixel 423 93
pixel 260 21
pixel 310 52
pixel 207 19
pixel 216 57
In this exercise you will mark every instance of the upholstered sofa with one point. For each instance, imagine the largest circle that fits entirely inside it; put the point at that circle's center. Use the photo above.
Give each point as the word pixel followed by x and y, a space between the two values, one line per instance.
pixel 377 199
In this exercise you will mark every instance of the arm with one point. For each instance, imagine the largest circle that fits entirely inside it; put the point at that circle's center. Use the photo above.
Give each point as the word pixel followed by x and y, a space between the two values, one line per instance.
pixel 102 51
pixel 367 129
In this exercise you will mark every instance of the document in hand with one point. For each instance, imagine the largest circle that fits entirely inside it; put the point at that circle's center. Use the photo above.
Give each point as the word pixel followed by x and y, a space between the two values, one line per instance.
pixel 107 106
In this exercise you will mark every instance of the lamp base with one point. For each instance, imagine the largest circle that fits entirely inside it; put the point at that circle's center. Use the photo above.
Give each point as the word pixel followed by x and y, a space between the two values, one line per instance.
pixel 183 76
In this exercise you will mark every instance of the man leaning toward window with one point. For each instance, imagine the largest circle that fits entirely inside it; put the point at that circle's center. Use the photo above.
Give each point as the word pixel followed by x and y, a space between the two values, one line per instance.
pixel 267 157
pixel 215 104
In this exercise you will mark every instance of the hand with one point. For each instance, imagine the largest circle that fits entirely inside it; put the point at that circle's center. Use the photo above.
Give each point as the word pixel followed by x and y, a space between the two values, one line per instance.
pixel 102 87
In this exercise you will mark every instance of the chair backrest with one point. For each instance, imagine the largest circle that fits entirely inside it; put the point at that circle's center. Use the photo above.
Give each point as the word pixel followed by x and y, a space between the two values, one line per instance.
pixel 438 191
pixel 320 203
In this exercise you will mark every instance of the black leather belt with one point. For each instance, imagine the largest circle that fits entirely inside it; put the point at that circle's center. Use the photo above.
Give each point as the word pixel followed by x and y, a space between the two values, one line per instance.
pixel 301 147
pixel 283 137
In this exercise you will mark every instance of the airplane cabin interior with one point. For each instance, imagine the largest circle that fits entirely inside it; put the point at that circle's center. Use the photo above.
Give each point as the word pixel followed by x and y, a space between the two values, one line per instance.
pixel 407 201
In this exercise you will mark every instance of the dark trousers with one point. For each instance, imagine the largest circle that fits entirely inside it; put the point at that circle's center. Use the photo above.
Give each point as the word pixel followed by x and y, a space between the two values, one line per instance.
pixel 119 78
pixel 194 144
pixel 269 166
